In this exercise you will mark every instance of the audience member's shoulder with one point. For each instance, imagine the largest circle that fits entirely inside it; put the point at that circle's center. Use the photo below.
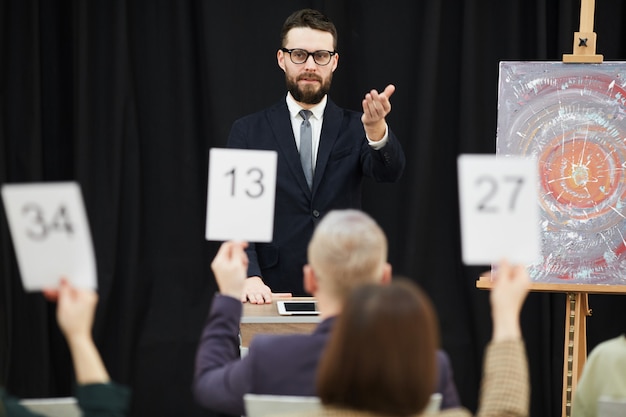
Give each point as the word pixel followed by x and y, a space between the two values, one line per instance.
pixel 617 344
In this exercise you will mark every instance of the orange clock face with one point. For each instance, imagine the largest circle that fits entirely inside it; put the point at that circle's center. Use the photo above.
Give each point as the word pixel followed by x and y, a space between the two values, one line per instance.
pixel 572 120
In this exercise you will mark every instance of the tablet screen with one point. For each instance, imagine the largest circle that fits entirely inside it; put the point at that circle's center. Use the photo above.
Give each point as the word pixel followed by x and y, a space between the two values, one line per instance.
pixel 297 307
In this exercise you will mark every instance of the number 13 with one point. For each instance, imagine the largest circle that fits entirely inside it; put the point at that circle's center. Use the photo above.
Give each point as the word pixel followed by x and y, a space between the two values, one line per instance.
pixel 257 188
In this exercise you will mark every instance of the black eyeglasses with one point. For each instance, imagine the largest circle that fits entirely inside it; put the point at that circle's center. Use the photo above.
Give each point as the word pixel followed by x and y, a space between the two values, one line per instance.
pixel 299 56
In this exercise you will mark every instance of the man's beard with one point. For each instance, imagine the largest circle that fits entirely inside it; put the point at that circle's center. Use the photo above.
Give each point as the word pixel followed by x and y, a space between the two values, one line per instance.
pixel 308 94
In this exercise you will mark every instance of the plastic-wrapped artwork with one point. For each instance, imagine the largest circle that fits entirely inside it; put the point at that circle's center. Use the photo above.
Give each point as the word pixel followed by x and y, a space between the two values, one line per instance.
pixel 571 118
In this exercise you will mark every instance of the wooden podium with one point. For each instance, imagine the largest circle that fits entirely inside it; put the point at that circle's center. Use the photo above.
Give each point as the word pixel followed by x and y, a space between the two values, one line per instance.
pixel 264 318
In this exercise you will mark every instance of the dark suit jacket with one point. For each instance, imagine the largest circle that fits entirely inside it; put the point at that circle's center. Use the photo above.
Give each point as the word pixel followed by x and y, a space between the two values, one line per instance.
pixel 343 159
pixel 275 364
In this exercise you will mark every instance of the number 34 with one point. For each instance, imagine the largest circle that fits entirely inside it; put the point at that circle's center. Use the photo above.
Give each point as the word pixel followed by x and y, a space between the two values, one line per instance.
pixel 39 228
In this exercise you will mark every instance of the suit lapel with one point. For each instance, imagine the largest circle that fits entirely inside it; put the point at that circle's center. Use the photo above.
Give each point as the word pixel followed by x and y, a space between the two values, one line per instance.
pixel 281 125
pixel 330 132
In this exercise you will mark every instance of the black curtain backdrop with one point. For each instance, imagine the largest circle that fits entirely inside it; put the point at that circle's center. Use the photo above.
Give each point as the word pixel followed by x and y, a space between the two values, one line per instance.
pixel 127 97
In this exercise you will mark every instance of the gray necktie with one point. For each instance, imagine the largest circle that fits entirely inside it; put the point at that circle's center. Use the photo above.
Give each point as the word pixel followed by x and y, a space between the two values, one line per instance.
pixel 306 153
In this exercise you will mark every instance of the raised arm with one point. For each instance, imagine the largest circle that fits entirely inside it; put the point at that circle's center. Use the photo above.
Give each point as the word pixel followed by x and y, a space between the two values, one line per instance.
pixel 505 389
pixel 97 395
pixel 221 378
pixel 75 313
pixel 511 285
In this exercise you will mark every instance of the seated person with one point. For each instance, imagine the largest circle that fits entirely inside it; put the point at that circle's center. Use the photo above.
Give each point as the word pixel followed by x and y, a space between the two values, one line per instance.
pixel 377 359
pixel 96 395
pixel 348 249
pixel 602 376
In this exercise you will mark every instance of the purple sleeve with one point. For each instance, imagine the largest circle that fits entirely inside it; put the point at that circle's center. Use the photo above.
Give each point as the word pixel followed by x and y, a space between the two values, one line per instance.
pixel 221 377
pixel 445 384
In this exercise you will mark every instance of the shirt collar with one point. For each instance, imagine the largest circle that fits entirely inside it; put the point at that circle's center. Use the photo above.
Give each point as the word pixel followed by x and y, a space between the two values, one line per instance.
pixel 317 110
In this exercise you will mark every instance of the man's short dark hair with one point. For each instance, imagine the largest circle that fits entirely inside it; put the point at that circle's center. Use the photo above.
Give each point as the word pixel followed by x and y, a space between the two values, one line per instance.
pixel 308 18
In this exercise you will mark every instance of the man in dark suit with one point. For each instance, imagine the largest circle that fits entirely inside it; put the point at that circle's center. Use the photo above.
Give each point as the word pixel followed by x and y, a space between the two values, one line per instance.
pixel 347 250
pixel 322 155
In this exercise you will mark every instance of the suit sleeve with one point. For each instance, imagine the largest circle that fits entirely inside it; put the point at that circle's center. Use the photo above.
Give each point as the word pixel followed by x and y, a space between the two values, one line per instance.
pixel 446 386
pixel 385 164
pixel 103 400
pixel 221 378
pixel 10 406
pixel 94 400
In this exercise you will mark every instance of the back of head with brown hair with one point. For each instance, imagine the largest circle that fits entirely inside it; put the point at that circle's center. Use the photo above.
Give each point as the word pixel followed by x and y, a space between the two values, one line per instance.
pixel 348 249
pixel 381 356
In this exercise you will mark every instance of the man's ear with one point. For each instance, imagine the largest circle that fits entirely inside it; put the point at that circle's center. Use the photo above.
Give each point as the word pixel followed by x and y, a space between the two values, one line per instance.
pixel 387 273
pixel 335 62
pixel 310 280
pixel 280 58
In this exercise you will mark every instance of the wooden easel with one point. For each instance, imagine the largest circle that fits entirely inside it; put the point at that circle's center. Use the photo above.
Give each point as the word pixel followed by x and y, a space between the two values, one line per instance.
pixel 577 302
pixel 575 340
pixel 585 39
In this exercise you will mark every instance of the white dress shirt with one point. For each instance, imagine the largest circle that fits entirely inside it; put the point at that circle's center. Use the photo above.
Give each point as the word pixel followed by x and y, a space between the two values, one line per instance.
pixel 316 120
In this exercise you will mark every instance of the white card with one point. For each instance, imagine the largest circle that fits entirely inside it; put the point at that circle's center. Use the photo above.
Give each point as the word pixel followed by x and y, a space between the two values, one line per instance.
pixel 499 209
pixel 50 234
pixel 241 195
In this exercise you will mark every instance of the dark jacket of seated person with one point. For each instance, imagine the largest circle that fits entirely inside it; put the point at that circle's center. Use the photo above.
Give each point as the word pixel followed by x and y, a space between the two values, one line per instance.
pixel 377 360
pixel 275 364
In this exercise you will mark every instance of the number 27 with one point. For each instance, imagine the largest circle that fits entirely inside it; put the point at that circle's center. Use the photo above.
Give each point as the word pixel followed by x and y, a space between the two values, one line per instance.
pixel 486 203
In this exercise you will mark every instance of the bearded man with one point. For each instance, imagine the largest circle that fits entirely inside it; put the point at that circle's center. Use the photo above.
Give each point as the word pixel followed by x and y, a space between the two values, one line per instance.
pixel 324 152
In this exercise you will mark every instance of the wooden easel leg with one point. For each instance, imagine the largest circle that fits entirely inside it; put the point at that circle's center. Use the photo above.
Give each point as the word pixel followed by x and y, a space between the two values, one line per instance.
pixel 575 347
